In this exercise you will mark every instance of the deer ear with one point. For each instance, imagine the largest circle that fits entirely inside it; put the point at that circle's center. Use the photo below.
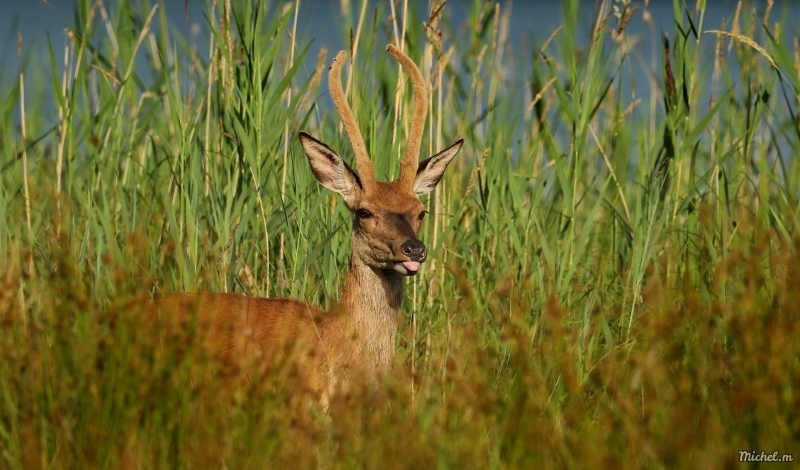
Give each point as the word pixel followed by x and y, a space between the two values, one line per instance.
pixel 430 171
pixel 329 168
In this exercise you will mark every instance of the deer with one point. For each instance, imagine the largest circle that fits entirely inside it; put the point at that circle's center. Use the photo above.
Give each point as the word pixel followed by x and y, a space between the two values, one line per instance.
pixel 355 339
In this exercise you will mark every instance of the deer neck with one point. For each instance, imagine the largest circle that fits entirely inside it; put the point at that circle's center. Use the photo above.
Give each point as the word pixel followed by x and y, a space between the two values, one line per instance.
pixel 371 299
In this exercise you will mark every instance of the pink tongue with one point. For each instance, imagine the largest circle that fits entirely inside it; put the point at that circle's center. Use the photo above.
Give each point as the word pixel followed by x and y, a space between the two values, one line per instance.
pixel 412 266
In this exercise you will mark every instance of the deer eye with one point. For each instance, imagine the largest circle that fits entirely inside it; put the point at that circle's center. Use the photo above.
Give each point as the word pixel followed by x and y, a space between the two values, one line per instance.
pixel 363 213
pixel 422 215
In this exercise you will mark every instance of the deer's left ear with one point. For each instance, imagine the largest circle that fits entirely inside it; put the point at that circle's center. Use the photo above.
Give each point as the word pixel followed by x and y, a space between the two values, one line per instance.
pixel 430 171
pixel 330 170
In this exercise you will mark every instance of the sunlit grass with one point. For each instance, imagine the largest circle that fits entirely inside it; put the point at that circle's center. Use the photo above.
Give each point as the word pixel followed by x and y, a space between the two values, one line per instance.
pixel 613 279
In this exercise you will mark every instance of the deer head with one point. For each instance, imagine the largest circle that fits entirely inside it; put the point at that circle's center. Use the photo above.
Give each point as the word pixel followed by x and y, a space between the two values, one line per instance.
pixel 386 215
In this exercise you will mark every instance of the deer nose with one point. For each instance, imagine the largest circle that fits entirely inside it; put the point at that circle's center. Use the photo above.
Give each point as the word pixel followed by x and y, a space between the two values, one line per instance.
pixel 414 249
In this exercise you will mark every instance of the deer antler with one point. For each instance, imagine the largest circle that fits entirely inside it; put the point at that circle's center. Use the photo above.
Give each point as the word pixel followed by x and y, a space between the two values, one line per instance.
pixel 363 163
pixel 408 166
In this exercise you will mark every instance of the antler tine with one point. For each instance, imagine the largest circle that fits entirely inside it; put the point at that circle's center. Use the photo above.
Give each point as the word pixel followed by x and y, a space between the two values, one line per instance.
pixel 363 162
pixel 408 166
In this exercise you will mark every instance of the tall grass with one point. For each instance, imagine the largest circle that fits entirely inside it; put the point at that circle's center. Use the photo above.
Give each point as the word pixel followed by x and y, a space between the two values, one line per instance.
pixel 614 269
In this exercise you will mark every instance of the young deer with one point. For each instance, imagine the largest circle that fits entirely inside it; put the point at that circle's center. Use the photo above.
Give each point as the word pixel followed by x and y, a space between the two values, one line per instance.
pixel 355 340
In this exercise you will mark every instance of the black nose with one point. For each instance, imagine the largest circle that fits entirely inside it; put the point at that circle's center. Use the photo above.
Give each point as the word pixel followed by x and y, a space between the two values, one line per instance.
pixel 414 249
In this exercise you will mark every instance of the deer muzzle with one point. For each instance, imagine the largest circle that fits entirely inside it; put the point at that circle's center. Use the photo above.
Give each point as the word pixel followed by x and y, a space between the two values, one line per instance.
pixel 416 253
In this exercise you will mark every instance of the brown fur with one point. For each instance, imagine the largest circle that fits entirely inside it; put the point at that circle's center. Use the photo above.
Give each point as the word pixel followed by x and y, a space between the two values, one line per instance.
pixel 352 344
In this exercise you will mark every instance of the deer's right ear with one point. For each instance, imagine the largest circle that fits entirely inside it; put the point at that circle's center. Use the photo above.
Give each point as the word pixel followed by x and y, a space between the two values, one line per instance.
pixel 430 171
pixel 329 168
